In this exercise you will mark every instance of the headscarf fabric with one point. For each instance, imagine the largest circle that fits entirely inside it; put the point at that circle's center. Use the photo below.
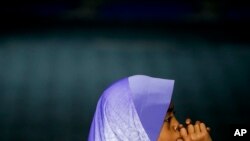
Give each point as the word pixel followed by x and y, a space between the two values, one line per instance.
pixel 132 109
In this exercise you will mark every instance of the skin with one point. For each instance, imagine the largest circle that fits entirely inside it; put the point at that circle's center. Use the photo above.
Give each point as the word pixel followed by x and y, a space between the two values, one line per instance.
pixel 194 132
pixel 172 130
pixel 169 130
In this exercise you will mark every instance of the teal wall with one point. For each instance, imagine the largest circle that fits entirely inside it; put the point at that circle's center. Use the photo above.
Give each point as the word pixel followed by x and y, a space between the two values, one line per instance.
pixel 50 81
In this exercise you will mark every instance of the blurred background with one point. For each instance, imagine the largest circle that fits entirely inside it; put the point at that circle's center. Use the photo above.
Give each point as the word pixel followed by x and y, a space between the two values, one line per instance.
pixel 57 57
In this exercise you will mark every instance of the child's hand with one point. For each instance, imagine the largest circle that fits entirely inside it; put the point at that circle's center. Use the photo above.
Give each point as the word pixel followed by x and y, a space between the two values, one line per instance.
pixel 196 132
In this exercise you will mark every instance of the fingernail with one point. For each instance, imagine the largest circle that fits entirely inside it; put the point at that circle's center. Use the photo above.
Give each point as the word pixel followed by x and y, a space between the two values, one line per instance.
pixel 208 129
pixel 188 121
pixel 180 126
pixel 197 122
pixel 179 139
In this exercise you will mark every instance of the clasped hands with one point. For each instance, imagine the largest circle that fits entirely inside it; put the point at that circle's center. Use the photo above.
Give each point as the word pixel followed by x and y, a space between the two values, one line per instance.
pixel 194 132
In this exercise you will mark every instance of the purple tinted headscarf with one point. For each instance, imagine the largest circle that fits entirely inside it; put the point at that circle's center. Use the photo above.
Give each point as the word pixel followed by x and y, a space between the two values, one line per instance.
pixel 132 109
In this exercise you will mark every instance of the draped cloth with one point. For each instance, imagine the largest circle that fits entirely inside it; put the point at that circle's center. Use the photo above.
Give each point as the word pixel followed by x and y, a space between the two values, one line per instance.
pixel 132 109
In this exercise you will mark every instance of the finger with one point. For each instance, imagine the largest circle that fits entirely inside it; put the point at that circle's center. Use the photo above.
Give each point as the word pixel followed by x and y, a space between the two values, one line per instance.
pixel 208 129
pixel 180 139
pixel 180 126
pixel 203 127
pixel 190 129
pixel 183 132
pixel 197 127
pixel 188 121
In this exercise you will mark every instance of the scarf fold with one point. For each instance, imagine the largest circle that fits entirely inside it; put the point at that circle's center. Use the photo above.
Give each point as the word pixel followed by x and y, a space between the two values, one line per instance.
pixel 132 109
